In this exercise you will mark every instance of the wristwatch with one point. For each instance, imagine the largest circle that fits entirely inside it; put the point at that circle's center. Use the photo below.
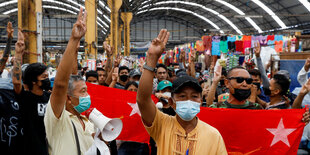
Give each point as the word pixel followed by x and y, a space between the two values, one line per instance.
pixel 148 68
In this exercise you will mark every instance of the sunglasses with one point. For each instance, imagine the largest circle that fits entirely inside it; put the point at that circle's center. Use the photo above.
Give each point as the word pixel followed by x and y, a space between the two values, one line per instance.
pixel 241 79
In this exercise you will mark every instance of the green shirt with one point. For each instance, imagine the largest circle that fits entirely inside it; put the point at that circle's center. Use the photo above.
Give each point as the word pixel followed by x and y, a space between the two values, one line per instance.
pixel 247 105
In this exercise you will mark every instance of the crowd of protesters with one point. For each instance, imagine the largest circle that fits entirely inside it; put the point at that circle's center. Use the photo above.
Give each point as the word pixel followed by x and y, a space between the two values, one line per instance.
pixel 40 118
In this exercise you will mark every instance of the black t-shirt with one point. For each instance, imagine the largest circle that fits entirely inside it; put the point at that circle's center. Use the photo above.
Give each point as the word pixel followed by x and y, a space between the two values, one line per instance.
pixel 10 124
pixel 33 109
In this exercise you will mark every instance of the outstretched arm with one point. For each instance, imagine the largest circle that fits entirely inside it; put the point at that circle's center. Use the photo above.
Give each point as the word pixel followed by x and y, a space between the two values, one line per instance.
pixel 303 91
pixel 260 66
pixel 17 72
pixel 59 93
pixel 145 103
pixel 7 50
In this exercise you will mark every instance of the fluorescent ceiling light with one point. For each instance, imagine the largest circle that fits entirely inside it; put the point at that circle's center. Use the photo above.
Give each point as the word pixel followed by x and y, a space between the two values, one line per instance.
pixel 7 3
pixel 270 12
pixel 241 13
pixel 58 8
pixel 201 6
pixel 250 16
pixel 104 6
pixel 102 22
pixel 183 10
pixel 305 3
pixel 10 11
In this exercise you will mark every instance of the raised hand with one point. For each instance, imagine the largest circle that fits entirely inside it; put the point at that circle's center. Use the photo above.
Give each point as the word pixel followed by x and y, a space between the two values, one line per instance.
pixel 218 73
pixel 115 74
pixel 108 49
pixel 158 44
pixel 117 60
pixel 10 30
pixel 257 49
pixel 305 88
pixel 307 65
pixel 79 28
pixel 20 44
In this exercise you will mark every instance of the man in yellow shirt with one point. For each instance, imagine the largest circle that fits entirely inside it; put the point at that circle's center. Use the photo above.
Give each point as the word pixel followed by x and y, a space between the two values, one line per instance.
pixel 183 133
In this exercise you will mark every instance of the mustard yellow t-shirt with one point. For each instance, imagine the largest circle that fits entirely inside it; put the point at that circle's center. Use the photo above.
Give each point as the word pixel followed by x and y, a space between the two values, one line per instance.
pixel 171 138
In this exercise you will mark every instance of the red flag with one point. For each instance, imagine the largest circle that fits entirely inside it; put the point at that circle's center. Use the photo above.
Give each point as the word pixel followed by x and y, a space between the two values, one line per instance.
pixel 252 132
pixel 117 103
pixel 257 132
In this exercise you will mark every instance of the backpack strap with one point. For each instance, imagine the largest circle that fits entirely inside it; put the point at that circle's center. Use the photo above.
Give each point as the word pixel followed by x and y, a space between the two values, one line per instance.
pixel 76 139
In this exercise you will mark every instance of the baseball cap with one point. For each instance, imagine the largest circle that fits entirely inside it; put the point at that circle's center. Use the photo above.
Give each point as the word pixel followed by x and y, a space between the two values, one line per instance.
pixel 134 73
pixel 285 73
pixel 164 84
pixel 185 80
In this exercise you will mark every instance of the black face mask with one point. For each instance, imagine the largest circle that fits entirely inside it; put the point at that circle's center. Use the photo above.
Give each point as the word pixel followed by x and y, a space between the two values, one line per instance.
pixel 267 92
pixel 242 94
pixel 222 82
pixel 258 85
pixel 123 78
pixel 46 84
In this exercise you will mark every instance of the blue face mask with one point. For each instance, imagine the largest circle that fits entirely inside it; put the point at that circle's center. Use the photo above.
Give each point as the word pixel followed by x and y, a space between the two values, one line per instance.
pixel 187 110
pixel 84 104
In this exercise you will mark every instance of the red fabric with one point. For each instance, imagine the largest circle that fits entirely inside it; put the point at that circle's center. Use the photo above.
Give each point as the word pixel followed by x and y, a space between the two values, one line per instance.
pixel 207 42
pixel 113 103
pixel 239 46
pixel 200 46
pixel 243 131
pixel 270 37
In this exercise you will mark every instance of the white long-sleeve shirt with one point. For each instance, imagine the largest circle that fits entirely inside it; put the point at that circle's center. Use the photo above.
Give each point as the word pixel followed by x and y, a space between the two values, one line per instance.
pixel 302 76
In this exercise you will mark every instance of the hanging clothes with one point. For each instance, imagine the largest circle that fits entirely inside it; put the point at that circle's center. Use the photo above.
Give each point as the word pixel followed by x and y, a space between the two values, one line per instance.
pixel 231 43
pixel 207 42
pixel 246 43
pixel 200 46
pixel 270 37
pixel 216 45
pixel 239 46
pixel 224 44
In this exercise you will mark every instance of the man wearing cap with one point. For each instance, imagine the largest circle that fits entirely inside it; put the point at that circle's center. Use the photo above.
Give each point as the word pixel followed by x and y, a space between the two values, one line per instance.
pixel 183 133
pixel 164 94
pixel 135 75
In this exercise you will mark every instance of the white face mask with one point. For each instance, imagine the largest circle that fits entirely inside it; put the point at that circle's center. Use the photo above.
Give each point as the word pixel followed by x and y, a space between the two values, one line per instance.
pixel 168 94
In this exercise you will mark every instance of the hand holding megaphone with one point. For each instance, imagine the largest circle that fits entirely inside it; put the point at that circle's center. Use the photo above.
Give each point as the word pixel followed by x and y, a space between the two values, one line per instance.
pixel 109 128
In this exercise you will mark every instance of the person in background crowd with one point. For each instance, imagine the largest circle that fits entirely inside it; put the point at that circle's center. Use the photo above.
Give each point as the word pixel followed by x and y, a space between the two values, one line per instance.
pixel 168 131
pixel 92 77
pixel 164 94
pixel 257 80
pixel 135 75
pixel 221 88
pixel 102 76
pixel 7 50
pixel 123 73
pixel 33 102
pixel 132 86
pixel 265 81
pixel 238 82
pixel 161 74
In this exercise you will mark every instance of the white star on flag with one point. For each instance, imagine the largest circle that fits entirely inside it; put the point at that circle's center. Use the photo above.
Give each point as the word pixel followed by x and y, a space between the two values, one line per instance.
pixel 135 109
pixel 280 133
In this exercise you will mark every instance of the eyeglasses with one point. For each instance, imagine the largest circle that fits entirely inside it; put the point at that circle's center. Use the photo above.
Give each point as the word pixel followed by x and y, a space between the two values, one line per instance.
pixel 241 79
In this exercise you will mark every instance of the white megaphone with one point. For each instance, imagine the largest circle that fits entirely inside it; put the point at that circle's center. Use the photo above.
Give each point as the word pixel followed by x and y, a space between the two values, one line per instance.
pixel 109 128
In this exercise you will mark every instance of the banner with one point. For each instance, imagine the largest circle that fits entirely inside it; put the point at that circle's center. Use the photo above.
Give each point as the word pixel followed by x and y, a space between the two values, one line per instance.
pixel 244 131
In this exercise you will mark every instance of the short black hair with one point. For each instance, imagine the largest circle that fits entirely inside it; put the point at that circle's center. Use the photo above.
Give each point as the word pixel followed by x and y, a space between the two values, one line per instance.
pixel 122 68
pixel 255 72
pixel 229 71
pixel 282 82
pixel 32 72
pixel 131 83
pixel 91 74
pixel 162 66
pixel 100 69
